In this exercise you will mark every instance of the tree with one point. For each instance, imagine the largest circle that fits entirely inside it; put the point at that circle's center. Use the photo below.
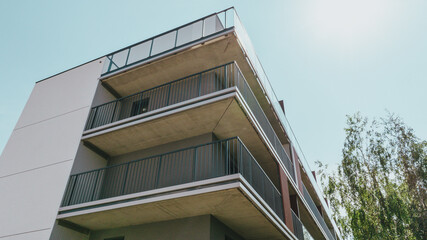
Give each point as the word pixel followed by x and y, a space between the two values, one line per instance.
pixel 379 188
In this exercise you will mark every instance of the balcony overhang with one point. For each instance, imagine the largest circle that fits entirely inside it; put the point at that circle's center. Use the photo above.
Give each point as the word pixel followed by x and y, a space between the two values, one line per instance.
pixel 230 199
pixel 307 217
pixel 199 56
pixel 219 112
pixel 308 220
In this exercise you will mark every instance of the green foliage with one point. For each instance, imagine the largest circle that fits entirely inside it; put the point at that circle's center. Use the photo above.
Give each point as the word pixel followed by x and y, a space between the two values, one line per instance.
pixel 379 189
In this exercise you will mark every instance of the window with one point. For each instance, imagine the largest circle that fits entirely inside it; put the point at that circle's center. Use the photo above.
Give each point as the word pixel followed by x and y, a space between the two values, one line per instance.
pixel 139 107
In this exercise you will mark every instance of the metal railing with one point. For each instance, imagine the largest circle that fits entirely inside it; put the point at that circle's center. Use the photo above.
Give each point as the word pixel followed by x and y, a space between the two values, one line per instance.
pixel 199 84
pixel 298 229
pixel 197 30
pixel 259 115
pixel 206 161
pixel 176 38
pixel 274 101
pixel 307 235
pixel 316 212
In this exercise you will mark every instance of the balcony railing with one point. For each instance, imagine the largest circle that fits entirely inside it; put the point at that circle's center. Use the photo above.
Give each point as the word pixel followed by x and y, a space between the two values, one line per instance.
pixel 298 227
pixel 170 40
pixel 199 84
pixel 273 99
pixel 216 159
pixel 196 85
pixel 316 212
pixel 198 30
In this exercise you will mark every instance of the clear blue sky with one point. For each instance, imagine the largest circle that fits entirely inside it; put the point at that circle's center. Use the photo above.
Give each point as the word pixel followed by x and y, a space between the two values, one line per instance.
pixel 325 59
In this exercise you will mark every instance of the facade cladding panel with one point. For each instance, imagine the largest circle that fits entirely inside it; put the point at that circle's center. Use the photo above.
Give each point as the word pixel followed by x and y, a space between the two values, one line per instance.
pixel 37 160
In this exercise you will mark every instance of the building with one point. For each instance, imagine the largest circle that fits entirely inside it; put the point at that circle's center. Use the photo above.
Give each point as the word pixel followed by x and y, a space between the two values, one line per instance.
pixel 179 136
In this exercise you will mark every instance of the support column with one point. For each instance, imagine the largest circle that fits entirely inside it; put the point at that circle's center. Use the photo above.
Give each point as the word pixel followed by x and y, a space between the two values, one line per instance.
pixel 286 199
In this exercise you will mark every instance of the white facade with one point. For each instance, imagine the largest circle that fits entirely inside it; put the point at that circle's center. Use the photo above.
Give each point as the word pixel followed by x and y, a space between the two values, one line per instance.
pixel 36 162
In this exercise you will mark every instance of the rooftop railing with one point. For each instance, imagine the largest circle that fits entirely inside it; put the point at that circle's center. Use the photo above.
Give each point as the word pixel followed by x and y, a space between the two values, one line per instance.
pixel 316 212
pixel 201 162
pixel 176 38
pixel 298 227
pixel 199 84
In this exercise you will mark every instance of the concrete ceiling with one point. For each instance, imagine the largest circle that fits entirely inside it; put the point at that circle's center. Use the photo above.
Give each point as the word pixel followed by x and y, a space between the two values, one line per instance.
pixel 231 206
pixel 174 127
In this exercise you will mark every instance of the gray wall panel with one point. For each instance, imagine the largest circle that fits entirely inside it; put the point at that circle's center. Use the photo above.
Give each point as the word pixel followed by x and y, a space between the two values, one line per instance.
pixel 29 201
pixel 61 94
pixel 37 160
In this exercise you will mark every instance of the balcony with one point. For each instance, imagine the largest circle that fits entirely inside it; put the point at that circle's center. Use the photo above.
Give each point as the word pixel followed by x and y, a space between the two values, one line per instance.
pixel 223 116
pixel 253 208
pixel 298 227
pixel 177 91
pixel 317 214
pixel 180 37
pixel 192 47
pixel 202 44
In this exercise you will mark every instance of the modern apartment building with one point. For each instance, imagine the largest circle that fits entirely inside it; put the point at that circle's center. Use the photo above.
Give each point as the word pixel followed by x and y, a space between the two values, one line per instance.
pixel 179 136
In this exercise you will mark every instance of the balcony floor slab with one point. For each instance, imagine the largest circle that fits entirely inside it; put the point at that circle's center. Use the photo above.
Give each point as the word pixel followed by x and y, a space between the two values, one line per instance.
pixel 223 117
pixel 231 203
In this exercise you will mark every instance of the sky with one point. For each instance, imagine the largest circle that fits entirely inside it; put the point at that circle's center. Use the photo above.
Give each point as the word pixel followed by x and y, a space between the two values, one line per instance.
pixel 325 59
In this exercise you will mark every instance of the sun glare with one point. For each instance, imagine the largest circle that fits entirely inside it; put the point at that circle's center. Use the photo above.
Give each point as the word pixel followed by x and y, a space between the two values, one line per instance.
pixel 348 23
